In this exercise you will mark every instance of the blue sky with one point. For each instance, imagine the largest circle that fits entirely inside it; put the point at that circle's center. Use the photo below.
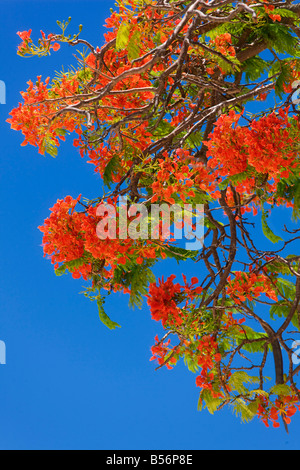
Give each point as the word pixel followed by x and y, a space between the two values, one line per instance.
pixel 70 383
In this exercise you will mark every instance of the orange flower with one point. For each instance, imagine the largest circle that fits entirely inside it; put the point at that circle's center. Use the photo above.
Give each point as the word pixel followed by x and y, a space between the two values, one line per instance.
pixel 56 46
pixel 25 35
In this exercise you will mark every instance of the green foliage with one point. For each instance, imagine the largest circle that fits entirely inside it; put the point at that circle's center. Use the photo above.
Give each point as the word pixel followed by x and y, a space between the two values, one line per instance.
pixel 281 389
pixel 111 169
pixel 278 266
pixel 290 190
pixel 296 198
pixel 282 70
pixel 49 146
pixel 71 265
pixel 212 403
pixel 284 13
pixel 246 411
pixel 122 38
pixel 191 363
pixel 180 254
pixel 279 38
pixel 282 307
pixel 104 317
pixel 195 139
pixel 235 28
pixel 228 66
pixel 137 277
pixel 255 340
pixel 134 45
pixel 254 68
pixel 266 229
pixel 286 288
pixel 258 392
pixel 235 179
pixel 237 380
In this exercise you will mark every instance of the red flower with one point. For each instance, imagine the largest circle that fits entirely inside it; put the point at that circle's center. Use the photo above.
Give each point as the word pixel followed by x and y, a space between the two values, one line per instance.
pixel 55 46
pixel 25 35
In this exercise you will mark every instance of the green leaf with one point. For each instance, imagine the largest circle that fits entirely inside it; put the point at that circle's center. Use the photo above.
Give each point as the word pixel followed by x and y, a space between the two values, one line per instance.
pixel 284 13
pixel 61 132
pixel 191 363
pixel 290 190
pixel 137 278
pixel 122 36
pixel 134 45
pixel 281 389
pixel 283 68
pixel 278 266
pixel 279 38
pixel 234 28
pixel 286 288
pixel 111 169
pixel 237 380
pixel 254 68
pixel 279 309
pixel 140 279
pixel 61 270
pixel 296 206
pixel 250 334
pixel 71 265
pixel 245 411
pixel 180 254
pixel 234 179
pixel 200 403
pixel 209 224
pixel 253 407
pixel 105 318
pixel 282 308
pixel 211 402
pixel 259 392
pixel 195 139
pixel 164 128
pixel 266 229
pixel 49 146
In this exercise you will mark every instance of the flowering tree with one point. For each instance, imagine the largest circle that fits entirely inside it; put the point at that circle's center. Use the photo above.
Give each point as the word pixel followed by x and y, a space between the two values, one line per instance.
pixel 164 112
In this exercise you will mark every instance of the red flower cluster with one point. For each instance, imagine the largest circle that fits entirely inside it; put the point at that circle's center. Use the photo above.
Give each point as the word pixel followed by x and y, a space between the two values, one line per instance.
pixel 33 117
pixel 45 43
pixel 160 350
pixel 250 286
pixel 25 36
pixel 269 9
pixel 164 298
pixel 222 44
pixel 264 148
pixel 284 407
pixel 207 356
pixel 71 235
pixel 173 177
pixel 62 232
